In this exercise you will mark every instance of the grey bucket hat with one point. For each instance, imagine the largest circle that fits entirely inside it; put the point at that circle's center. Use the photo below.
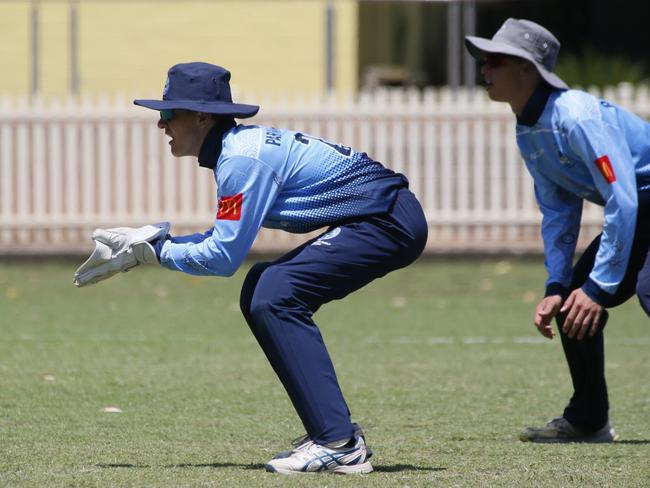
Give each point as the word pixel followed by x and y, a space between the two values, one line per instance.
pixel 524 39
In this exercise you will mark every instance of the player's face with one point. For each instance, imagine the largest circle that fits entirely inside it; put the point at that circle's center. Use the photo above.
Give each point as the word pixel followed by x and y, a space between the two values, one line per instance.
pixel 502 75
pixel 183 127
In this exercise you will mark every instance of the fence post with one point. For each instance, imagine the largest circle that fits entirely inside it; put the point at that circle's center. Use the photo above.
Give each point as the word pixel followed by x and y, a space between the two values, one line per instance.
pixel 66 168
pixel 7 173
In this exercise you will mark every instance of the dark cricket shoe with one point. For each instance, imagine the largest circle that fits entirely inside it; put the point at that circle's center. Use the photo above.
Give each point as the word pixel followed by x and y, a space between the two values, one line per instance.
pixel 561 430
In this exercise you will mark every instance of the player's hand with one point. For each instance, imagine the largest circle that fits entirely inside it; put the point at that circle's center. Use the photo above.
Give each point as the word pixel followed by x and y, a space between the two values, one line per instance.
pixel 583 315
pixel 122 239
pixel 545 311
pixel 119 249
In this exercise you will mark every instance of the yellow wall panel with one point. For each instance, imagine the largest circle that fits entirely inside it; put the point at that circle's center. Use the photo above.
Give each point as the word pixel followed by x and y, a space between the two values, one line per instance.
pixel 54 66
pixel 267 45
pixel 15 50
pixel 271 46
pixel 346 46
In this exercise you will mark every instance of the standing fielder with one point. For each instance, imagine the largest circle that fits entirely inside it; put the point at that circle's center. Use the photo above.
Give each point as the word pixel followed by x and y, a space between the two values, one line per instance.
pixel 280 179
pixel 576 148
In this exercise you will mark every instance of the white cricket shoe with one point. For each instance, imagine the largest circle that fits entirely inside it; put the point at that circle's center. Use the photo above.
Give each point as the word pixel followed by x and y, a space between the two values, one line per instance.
pixel 309 457
pixel 561 430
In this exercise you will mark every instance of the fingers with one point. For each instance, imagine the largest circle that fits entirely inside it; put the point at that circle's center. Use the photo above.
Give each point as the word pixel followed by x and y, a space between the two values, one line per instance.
pixel 582 315
pixel 93 275
pixel 86 279
pixel 544 314
pixel 575 323
pixel 547 331
pixel 590 324
pixel 113 238
pixel 580 322
pixel 595 323
pixel 539 320
pixel 103 236
pixel 569 302
pixel 569 320
pixel 543 324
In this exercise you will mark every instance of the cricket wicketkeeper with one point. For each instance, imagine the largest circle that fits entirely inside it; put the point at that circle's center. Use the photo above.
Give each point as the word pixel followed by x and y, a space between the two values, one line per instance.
pixel 295 182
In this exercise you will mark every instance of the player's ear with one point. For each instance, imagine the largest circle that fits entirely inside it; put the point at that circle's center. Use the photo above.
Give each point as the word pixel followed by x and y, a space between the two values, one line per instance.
pixel 528 68
pixel 204 118
pixel 528 71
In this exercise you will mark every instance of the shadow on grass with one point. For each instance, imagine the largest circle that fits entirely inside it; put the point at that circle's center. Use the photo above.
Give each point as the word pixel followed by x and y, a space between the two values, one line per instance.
pixel 633 442
pixel 386 468
pixel 397 468
pixel 389 468
pixel 217 465
pixel 184 465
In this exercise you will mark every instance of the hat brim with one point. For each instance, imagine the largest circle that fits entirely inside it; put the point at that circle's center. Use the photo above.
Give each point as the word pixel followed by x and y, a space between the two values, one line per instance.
pixel 239 110
pixel 479 47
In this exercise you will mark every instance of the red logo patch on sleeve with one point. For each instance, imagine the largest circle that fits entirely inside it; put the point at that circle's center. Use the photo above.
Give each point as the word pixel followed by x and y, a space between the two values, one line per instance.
pixel 230 207
pixel 605 168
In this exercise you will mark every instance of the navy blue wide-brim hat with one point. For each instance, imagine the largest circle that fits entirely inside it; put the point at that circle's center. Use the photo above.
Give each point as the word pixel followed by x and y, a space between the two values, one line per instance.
pixel 200 87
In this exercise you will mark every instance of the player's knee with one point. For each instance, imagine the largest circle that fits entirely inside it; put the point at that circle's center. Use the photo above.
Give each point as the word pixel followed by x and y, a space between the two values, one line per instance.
pixel 561 317
pixel 263 308
pixel 268 297
pixel 643 292
pixel 249 287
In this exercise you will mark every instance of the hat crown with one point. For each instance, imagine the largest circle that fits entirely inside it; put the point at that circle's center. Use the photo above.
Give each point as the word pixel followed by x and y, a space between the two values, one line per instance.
pixel 201 82
pixel 528 36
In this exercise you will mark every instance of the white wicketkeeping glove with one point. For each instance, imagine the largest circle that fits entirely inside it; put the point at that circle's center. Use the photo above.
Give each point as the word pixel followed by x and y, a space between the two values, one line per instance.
pixel 119 249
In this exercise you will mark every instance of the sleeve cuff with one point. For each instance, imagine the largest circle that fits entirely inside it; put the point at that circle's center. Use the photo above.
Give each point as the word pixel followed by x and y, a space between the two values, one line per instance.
pixel 158 245
pixel 556 289
pixel 593 291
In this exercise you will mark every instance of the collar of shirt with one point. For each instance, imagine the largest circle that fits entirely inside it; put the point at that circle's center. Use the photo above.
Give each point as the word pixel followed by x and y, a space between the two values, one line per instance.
pixel 535 105
pixel 213 143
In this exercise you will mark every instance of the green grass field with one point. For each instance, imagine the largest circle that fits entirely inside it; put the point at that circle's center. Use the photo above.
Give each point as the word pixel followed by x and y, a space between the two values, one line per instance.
pixel 440 363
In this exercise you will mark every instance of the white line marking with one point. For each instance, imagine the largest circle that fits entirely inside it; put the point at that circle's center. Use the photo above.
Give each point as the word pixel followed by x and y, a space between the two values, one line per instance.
pixel 480 340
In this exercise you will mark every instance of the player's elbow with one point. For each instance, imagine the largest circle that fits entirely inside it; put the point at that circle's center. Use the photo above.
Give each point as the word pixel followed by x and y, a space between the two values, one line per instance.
pixel 228 270
pixel 224 259
pixel 643 290
pixel 224 266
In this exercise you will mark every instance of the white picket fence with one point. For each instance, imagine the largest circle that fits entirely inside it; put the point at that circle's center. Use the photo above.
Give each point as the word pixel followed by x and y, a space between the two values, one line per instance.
pixel 66 168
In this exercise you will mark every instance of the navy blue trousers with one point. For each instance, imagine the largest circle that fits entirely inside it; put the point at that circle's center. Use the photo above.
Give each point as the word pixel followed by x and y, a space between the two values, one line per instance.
pixel 279 298
pixel 589 405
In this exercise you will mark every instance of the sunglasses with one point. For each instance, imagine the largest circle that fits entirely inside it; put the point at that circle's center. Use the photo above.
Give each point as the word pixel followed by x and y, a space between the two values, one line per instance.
pixel 495 60
pixel 167 115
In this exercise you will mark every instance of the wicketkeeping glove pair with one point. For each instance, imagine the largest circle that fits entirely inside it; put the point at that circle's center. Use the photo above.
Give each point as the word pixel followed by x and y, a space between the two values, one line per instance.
pixel 120 249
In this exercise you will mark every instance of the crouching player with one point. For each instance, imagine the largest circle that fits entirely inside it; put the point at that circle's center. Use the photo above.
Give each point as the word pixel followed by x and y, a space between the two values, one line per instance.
pixel 287 180
pixel 576 147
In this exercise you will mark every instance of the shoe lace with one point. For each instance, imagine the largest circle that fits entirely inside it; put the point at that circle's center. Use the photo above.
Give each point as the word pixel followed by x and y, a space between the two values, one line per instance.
pixel 562 425
pixel 299 441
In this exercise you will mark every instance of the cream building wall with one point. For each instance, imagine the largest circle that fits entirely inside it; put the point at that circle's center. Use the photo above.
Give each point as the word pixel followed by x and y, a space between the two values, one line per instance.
pixel 14 47
pixel 270 46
